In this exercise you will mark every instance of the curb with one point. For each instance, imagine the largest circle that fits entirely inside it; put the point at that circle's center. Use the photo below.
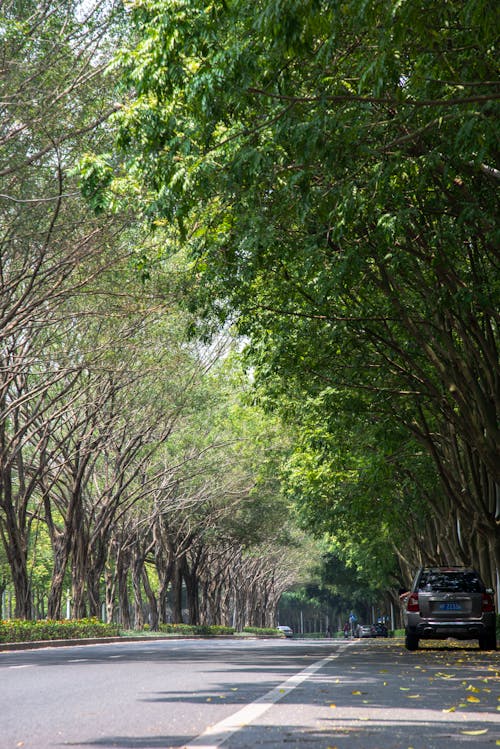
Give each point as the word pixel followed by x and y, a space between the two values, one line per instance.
pixel 37 644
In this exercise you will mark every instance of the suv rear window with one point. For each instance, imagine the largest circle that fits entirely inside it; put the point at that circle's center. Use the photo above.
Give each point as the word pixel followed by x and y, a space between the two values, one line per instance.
pixel 452 581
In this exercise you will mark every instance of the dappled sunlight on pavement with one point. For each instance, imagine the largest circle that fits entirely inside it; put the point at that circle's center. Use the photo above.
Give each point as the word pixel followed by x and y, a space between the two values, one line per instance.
pixel 377 695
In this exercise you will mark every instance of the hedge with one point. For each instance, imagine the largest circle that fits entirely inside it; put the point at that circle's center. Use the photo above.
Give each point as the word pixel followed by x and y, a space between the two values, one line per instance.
pixel 266 631
pixel 21 630
pixel 196 629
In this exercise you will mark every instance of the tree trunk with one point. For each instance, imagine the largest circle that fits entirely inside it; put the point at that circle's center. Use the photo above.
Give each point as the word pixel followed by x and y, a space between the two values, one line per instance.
pixel 60 556
pixel 16 552
pixel 153 601
pixel 22 587
pixel 176 594
pixel 122 575
pixel 110 584
pixel 78 578
pixel 94 593
pixel 191 581
pixel 137 569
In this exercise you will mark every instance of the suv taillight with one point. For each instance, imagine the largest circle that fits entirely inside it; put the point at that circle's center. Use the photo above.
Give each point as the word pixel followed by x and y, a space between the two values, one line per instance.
pixel 488 604
pixel 412 603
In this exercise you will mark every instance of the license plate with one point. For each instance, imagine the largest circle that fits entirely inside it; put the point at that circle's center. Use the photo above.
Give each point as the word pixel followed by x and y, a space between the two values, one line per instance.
pixel 448 606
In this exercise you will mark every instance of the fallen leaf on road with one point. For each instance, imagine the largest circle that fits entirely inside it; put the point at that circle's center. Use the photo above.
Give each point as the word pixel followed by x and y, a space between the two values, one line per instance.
pixel 475 733
pixel 333 704
pixel 449 710
pixel 356 692
pixel 470 688
pixel 473 699
pixel 405 689
pixel 413 696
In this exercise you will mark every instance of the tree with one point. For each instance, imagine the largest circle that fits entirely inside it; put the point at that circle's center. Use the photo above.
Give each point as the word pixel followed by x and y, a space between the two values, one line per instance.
pixel 102 449
pixel 334 176
pixel 51 246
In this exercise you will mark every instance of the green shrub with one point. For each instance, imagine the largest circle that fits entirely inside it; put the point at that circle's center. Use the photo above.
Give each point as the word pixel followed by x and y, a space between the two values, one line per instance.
pixel 20 630
pixel 266 631
pixel 196 629
pixel 219 629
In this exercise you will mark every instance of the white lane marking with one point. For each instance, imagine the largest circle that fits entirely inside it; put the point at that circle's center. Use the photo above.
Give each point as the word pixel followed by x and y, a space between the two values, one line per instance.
pixel 217 734
pixel 25 665
pixel 77 660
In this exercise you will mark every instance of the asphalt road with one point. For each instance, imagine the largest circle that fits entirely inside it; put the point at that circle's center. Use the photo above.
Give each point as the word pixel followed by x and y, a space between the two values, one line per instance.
pixel 369 694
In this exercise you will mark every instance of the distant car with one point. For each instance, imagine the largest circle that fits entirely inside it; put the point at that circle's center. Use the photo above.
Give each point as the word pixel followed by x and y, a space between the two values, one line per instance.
pixel 287 631
pixel 380 630
pixel 449 602
pixel 365 630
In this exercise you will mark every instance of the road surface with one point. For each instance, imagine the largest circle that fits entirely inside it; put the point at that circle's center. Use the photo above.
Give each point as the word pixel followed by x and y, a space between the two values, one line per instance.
pixel 286 694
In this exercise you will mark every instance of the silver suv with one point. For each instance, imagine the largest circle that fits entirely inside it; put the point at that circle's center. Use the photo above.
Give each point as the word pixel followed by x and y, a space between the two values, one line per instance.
pixel 449 602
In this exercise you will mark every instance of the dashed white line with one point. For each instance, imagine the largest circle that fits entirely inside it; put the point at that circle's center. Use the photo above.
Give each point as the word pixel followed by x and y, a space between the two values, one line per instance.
pixel 217 734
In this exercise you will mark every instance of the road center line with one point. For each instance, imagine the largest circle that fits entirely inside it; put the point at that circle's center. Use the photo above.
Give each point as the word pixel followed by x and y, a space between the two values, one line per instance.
pixel 217 734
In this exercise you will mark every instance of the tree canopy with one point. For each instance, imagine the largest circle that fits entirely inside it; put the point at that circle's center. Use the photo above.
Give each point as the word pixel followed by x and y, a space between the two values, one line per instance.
pixel 332 167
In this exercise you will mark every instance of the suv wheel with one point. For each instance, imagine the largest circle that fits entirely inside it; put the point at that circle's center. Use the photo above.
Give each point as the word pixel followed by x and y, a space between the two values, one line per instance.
pixel 488 641
pixel 411 641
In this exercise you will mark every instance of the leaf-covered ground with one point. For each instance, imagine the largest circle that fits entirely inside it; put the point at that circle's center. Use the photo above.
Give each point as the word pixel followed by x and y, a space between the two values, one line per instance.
pixel 445 694
pixel 377 695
